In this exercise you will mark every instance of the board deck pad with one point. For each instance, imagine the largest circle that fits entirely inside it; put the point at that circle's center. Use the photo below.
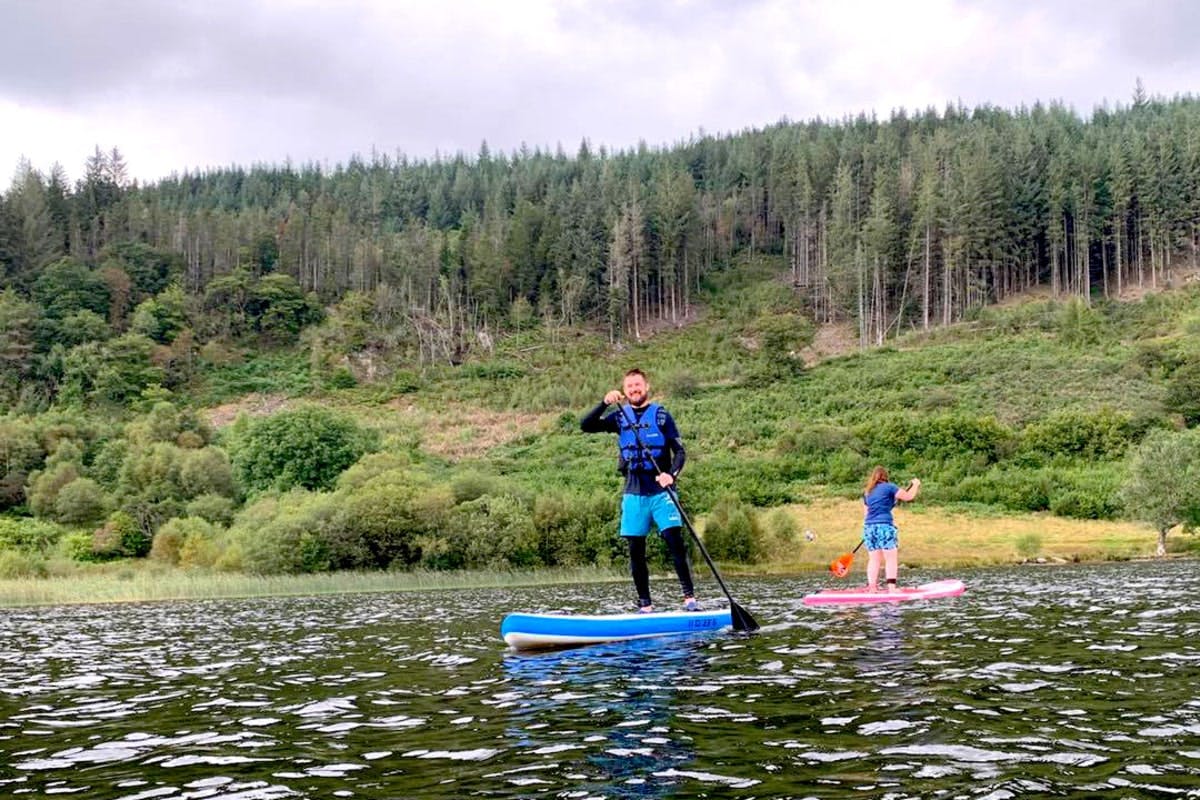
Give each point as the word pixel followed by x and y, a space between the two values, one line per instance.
pixel 926 591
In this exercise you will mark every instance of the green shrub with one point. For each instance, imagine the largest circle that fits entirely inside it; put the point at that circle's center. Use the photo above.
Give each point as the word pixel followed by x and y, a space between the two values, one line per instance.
pixel 576 528
pixel 44 486
pixel 1079 325
pixel 341 378
pixel 937 398
pixel 376 526
pixel 371 466
pixel 106 467
pixel 780 526
pixel 467 486
pixel 898 439
pixel 23 453
pixel 1029 545
pixel 495 532
pixel 199 547
pixel 33 536
pixel 14 564
pixel 77 546
pixel 781 534
pixel 212 508
pixel 1082 504
pixel 166 422
pixel 493 370
pixel 205 471
pixel 817 438
pixel 109 373
pixel 732 532
pixel 168 541
pixel 846 467
pixel 1013 489
pixel 306 448
pixel 284 534
pixel 120 537
pixel 405 382
pixel 1088 495
pixel 1183 393
pixel 1156 358
pixel 1075 434
pixel 80 502
pixel 681 384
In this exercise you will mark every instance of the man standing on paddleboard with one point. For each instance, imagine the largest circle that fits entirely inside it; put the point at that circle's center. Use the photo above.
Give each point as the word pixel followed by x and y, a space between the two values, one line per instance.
pixel 651 457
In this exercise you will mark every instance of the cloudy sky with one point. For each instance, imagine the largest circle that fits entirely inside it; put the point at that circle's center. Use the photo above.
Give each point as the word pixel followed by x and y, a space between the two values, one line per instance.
pixel 180 84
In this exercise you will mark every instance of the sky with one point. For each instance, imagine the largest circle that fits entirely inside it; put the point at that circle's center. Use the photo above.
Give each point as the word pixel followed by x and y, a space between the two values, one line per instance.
pixel 183 85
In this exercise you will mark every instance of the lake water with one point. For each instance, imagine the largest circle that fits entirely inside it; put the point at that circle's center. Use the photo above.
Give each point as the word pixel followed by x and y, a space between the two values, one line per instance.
pixel 1079 681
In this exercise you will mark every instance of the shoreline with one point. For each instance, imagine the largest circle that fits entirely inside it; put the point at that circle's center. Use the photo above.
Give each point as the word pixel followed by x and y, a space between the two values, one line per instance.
pixel 168 586
pixel 931 538
pixel 139 583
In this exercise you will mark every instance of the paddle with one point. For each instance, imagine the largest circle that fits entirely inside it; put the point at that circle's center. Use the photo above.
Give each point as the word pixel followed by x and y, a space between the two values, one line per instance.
pixel 742 621
pixel 841 565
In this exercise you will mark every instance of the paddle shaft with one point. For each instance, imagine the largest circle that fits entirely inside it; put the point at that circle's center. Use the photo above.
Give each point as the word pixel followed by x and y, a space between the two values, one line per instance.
pixel 742 620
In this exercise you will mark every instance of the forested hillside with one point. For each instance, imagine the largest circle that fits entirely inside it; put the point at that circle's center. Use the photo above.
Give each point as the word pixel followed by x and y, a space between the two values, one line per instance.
pixel 413 298
pixel 894 224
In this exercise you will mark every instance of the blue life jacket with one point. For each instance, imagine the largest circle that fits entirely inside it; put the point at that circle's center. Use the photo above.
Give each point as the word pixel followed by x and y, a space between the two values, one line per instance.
pixel 632 456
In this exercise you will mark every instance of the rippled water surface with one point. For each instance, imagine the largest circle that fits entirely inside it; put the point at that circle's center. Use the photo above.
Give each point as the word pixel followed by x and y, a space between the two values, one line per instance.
pixel 1064 681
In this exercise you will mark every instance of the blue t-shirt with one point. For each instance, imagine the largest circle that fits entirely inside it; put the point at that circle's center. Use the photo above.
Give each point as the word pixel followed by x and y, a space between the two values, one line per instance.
pixel 880 503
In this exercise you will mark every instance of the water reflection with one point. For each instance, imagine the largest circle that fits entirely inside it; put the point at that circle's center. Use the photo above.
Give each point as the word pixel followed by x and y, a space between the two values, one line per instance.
pixel 615 703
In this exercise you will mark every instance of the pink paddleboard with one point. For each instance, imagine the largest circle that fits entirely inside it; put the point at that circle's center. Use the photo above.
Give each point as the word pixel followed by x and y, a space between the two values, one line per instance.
pixel 926 591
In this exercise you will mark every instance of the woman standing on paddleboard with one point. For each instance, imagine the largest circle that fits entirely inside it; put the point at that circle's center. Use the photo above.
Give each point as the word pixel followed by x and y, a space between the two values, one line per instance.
pixel 879 529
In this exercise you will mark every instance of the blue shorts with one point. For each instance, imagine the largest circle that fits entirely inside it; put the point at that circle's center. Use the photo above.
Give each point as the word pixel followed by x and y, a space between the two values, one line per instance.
pixel 639 510
pixel 880 536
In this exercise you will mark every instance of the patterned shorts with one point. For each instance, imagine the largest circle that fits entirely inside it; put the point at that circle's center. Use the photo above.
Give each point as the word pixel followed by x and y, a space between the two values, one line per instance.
pixel 880 536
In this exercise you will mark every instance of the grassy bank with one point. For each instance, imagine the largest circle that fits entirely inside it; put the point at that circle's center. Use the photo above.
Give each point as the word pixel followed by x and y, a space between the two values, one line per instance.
pixel 137 582
pixel 931 539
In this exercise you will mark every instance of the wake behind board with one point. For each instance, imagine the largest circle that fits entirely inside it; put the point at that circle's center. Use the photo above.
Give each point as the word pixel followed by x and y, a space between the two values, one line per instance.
pixel 926 591
pixel 527 631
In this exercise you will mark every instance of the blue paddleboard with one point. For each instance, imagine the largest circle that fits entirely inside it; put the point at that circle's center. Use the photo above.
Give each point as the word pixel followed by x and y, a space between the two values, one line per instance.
pixel 525 631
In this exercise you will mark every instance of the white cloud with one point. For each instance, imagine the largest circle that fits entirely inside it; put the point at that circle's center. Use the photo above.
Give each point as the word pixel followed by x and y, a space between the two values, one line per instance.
pixel 178 86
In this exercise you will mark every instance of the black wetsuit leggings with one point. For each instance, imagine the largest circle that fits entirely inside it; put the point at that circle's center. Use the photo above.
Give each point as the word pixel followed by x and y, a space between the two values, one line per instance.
pixel 641 573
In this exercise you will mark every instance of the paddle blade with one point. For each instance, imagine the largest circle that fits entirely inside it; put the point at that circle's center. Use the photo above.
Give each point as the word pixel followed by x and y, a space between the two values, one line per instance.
pixel 841 565
pixel 742 621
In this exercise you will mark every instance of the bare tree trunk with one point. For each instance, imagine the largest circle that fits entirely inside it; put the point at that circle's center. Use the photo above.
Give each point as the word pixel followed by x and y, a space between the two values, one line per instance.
pixel 1141 265
pixel 1104 265
pixel 862 318
pixel 637 292
pixel 947 277
pixel 1195 242
pixel 1054 269
pixel 1081 253
pixel 925 286
pixel 1120 265
pixel 686 294
pixel 1153 263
